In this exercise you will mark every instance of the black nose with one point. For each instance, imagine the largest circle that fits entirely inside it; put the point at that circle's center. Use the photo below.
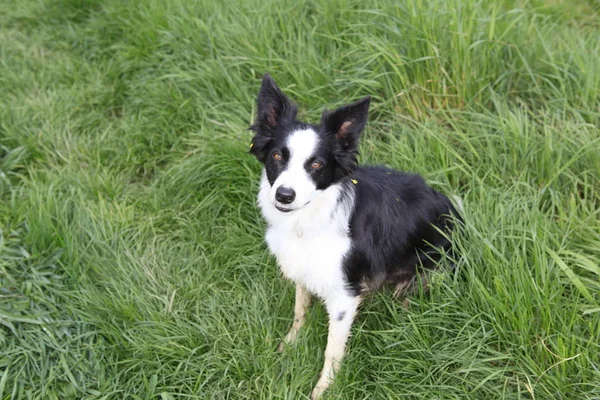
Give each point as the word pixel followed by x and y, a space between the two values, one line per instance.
pixel 285 195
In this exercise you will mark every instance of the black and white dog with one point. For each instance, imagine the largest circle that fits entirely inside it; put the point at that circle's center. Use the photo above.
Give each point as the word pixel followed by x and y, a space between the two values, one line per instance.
pixel 339 230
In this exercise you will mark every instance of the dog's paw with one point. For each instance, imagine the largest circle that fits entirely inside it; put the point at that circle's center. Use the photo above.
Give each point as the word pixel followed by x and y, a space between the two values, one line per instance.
pixel 290 338
pixel 320 387
pixel 281 346
pixel 318 391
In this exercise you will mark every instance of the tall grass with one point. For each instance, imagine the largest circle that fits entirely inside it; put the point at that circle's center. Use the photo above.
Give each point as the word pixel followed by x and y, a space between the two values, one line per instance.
pixel 132 263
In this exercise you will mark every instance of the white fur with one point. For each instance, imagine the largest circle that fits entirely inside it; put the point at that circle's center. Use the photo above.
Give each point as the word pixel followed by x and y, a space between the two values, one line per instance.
pixel 309 242
pixel 339 331
pixel 302 145
pixel 300 307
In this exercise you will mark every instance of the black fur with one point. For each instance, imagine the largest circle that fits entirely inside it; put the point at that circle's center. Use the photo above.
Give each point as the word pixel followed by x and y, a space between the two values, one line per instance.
pixel 345 125
pixel 276 115
pixel 398 224
pixel 338 147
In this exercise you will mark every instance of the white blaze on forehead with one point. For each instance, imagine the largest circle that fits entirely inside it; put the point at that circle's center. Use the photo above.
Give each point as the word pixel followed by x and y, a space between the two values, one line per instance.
pixel 302 145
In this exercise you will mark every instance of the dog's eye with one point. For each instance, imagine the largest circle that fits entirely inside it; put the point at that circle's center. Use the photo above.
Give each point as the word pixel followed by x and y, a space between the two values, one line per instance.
pixel 316 165
pixel 277 156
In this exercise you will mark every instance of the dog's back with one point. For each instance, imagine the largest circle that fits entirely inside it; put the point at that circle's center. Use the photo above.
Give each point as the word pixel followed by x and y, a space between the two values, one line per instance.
pixel 399 224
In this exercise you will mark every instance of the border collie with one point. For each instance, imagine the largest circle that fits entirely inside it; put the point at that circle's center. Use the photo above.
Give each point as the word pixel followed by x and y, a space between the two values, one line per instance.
pixel 338 230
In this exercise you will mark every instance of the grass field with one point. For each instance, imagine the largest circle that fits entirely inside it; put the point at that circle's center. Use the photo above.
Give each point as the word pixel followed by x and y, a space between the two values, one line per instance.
pixel 132 261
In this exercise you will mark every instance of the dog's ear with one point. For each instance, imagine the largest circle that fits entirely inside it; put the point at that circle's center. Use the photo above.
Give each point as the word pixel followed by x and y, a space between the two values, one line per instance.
pixel 274 109
pixel 346 123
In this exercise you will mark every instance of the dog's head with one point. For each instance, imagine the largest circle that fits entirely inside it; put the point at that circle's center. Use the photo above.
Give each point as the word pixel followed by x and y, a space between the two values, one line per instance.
pixel 302 159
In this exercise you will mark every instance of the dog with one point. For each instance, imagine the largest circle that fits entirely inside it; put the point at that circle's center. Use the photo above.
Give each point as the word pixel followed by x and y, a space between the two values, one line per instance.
pixel 340 231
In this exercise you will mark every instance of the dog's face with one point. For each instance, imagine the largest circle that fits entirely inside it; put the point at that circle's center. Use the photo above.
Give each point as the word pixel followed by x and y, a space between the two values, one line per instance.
pixel 302 159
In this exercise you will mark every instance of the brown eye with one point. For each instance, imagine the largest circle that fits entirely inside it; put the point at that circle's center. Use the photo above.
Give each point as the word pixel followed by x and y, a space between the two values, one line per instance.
pixel 277 156
pixel 316 165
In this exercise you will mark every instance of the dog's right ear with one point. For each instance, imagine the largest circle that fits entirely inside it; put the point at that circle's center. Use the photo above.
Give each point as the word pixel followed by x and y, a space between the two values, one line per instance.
pixel 274 109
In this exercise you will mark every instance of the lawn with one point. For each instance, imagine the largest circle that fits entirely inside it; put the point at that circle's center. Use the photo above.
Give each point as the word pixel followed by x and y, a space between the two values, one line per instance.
pixel 132 259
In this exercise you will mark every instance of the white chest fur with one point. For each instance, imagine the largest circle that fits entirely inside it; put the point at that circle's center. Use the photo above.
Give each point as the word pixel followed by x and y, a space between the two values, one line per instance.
pixel 313 260
pixel 310 243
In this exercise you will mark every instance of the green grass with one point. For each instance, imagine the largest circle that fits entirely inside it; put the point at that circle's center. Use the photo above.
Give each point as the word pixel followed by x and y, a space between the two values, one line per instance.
pixel 132 261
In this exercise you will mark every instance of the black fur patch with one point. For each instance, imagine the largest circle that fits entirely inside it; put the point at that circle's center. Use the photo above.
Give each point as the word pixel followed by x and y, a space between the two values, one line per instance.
pixel 338 134
pixel 396 227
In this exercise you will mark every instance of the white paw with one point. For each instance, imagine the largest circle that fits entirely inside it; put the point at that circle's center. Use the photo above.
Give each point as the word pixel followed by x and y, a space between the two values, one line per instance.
pixel 317 392
pixel 288 339
pixel 281 346
pixel 321 386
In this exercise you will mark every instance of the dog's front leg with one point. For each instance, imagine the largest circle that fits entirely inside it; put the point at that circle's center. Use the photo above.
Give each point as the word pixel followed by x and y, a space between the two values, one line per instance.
pixel 342 311
pixel 302 303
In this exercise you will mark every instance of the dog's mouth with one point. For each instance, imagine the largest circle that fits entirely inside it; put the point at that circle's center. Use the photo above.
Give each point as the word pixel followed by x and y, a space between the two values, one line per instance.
pixel 288 210
pixel 284 210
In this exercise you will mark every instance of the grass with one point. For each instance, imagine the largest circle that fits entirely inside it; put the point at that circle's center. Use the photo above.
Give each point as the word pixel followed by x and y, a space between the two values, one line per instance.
pixel 132 262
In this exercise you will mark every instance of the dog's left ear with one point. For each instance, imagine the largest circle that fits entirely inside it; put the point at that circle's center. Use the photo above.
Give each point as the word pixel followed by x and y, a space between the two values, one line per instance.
pixel 346 123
